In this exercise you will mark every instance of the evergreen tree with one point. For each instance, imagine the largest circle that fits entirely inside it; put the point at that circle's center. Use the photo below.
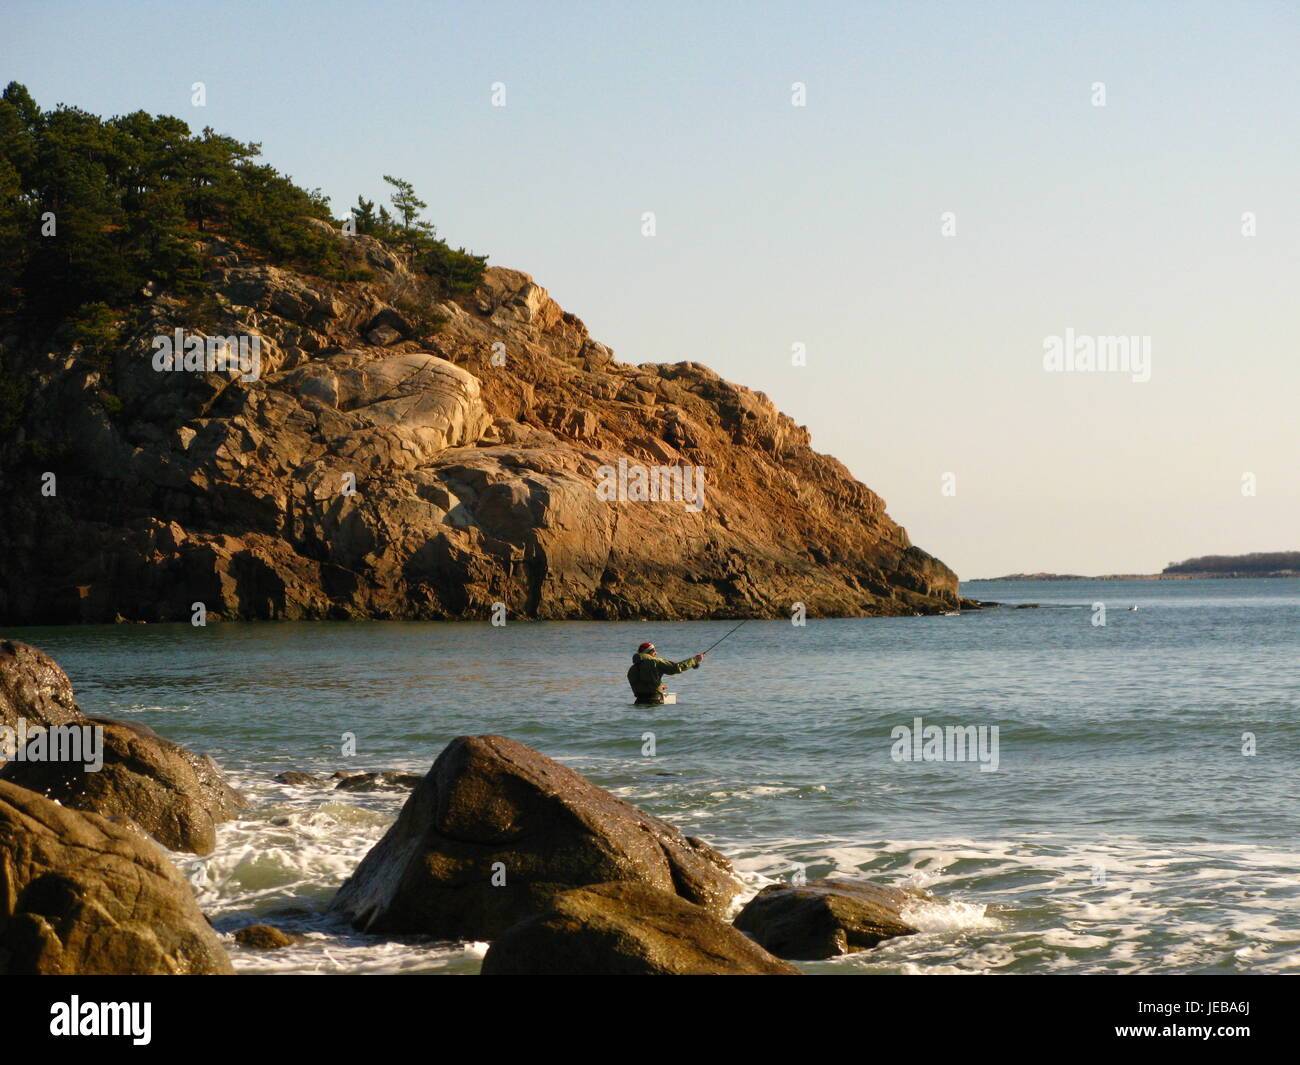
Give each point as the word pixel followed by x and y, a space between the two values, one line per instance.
pixel 93 210
pixel 364 218
pixel 408 207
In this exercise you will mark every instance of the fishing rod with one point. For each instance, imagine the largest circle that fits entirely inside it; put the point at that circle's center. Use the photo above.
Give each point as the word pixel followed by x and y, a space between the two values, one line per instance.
pixel 706 651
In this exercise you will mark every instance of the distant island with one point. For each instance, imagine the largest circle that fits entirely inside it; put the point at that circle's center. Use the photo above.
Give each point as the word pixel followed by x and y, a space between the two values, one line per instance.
pixel 1258 564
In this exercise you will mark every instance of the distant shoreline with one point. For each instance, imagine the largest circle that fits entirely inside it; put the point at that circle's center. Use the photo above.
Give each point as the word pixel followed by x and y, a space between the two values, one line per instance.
pixel 1136 576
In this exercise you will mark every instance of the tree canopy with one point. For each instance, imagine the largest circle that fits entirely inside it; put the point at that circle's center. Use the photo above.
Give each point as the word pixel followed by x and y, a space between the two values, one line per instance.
pixel 92 210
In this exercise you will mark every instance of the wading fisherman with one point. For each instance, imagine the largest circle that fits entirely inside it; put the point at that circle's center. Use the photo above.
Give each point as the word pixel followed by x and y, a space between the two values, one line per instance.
pixel 648 667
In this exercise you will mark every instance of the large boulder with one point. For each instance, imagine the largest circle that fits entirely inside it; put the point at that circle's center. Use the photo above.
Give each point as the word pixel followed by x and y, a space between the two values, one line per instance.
pixel 496 829
pixel 826 918
pixel 82 895
pixel 175 795
pixel 34 688
pixel 627 929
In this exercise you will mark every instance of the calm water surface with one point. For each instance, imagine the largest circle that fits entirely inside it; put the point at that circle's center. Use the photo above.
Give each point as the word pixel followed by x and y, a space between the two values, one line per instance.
pixel 1123 831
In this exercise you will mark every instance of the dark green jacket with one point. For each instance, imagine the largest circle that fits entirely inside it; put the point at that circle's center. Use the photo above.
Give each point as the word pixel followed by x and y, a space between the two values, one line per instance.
pixel 647 669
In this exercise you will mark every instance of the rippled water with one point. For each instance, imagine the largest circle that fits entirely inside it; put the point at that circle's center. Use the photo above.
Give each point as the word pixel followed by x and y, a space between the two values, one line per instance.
pixel 1124 830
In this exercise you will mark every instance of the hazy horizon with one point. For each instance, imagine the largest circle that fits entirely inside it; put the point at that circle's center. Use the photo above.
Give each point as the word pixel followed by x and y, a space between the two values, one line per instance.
pixel 822 225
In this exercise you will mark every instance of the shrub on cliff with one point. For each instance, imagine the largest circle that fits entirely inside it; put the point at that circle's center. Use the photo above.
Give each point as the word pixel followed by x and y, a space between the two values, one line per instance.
pixel 455 270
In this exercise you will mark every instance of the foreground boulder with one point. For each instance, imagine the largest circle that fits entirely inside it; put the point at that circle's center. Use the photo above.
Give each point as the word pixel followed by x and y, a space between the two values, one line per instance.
pixel 826 918
pixel 175 795
pixel 33 688
pixel 496 829
pixel 82 895
pixel 627 929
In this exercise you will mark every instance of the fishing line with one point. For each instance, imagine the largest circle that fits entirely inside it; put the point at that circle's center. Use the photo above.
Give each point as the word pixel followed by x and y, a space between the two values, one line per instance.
pixel 708 649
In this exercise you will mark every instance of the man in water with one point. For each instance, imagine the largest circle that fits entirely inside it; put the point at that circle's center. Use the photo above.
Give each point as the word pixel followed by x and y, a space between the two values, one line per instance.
pixel 648 667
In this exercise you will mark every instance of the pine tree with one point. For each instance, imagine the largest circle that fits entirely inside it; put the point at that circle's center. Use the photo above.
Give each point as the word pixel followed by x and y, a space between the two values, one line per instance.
pixel 91 210
pixel 364 218
pixel 408 207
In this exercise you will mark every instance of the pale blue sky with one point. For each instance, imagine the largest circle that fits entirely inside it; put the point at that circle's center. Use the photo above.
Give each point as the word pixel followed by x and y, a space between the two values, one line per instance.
pixel 821 224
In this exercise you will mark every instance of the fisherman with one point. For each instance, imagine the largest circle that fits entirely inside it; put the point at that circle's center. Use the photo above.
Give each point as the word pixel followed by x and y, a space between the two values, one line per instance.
pixel 648 667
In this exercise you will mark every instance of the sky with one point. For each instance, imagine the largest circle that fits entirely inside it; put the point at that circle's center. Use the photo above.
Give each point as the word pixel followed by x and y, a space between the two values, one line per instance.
pixel 962 183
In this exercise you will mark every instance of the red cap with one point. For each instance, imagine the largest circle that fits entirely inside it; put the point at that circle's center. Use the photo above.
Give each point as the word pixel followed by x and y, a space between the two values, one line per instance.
pixel 647 646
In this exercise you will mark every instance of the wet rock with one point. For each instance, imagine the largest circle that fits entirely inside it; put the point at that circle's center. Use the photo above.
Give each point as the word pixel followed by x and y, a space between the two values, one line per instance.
pixel 496 829
pixel 626 929
pixel 176 796
pixel 33 688
pixel 264 937
pixel 826 918
pixel 80 894
pixel 299 780
pixel 387 779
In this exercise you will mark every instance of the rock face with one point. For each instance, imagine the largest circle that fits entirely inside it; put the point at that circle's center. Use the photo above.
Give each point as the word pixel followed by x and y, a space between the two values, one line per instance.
pixel 627 929
pixel 825 918
pixel 494 809
pixel 33 687
pixel 81 895
pixel 368 473
pixel 175 795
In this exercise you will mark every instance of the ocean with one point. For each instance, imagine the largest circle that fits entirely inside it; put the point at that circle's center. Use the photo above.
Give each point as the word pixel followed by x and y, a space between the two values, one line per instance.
pixel 1126 827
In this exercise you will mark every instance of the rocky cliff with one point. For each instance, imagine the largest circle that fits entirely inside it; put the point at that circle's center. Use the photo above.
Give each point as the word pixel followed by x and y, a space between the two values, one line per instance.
pixel 369 466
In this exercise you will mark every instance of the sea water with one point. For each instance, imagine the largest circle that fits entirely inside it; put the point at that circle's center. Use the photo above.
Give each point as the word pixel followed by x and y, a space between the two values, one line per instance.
pixel 1127 827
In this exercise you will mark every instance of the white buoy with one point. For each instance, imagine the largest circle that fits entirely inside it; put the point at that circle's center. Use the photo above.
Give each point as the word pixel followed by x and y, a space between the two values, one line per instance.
pixel 670 698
